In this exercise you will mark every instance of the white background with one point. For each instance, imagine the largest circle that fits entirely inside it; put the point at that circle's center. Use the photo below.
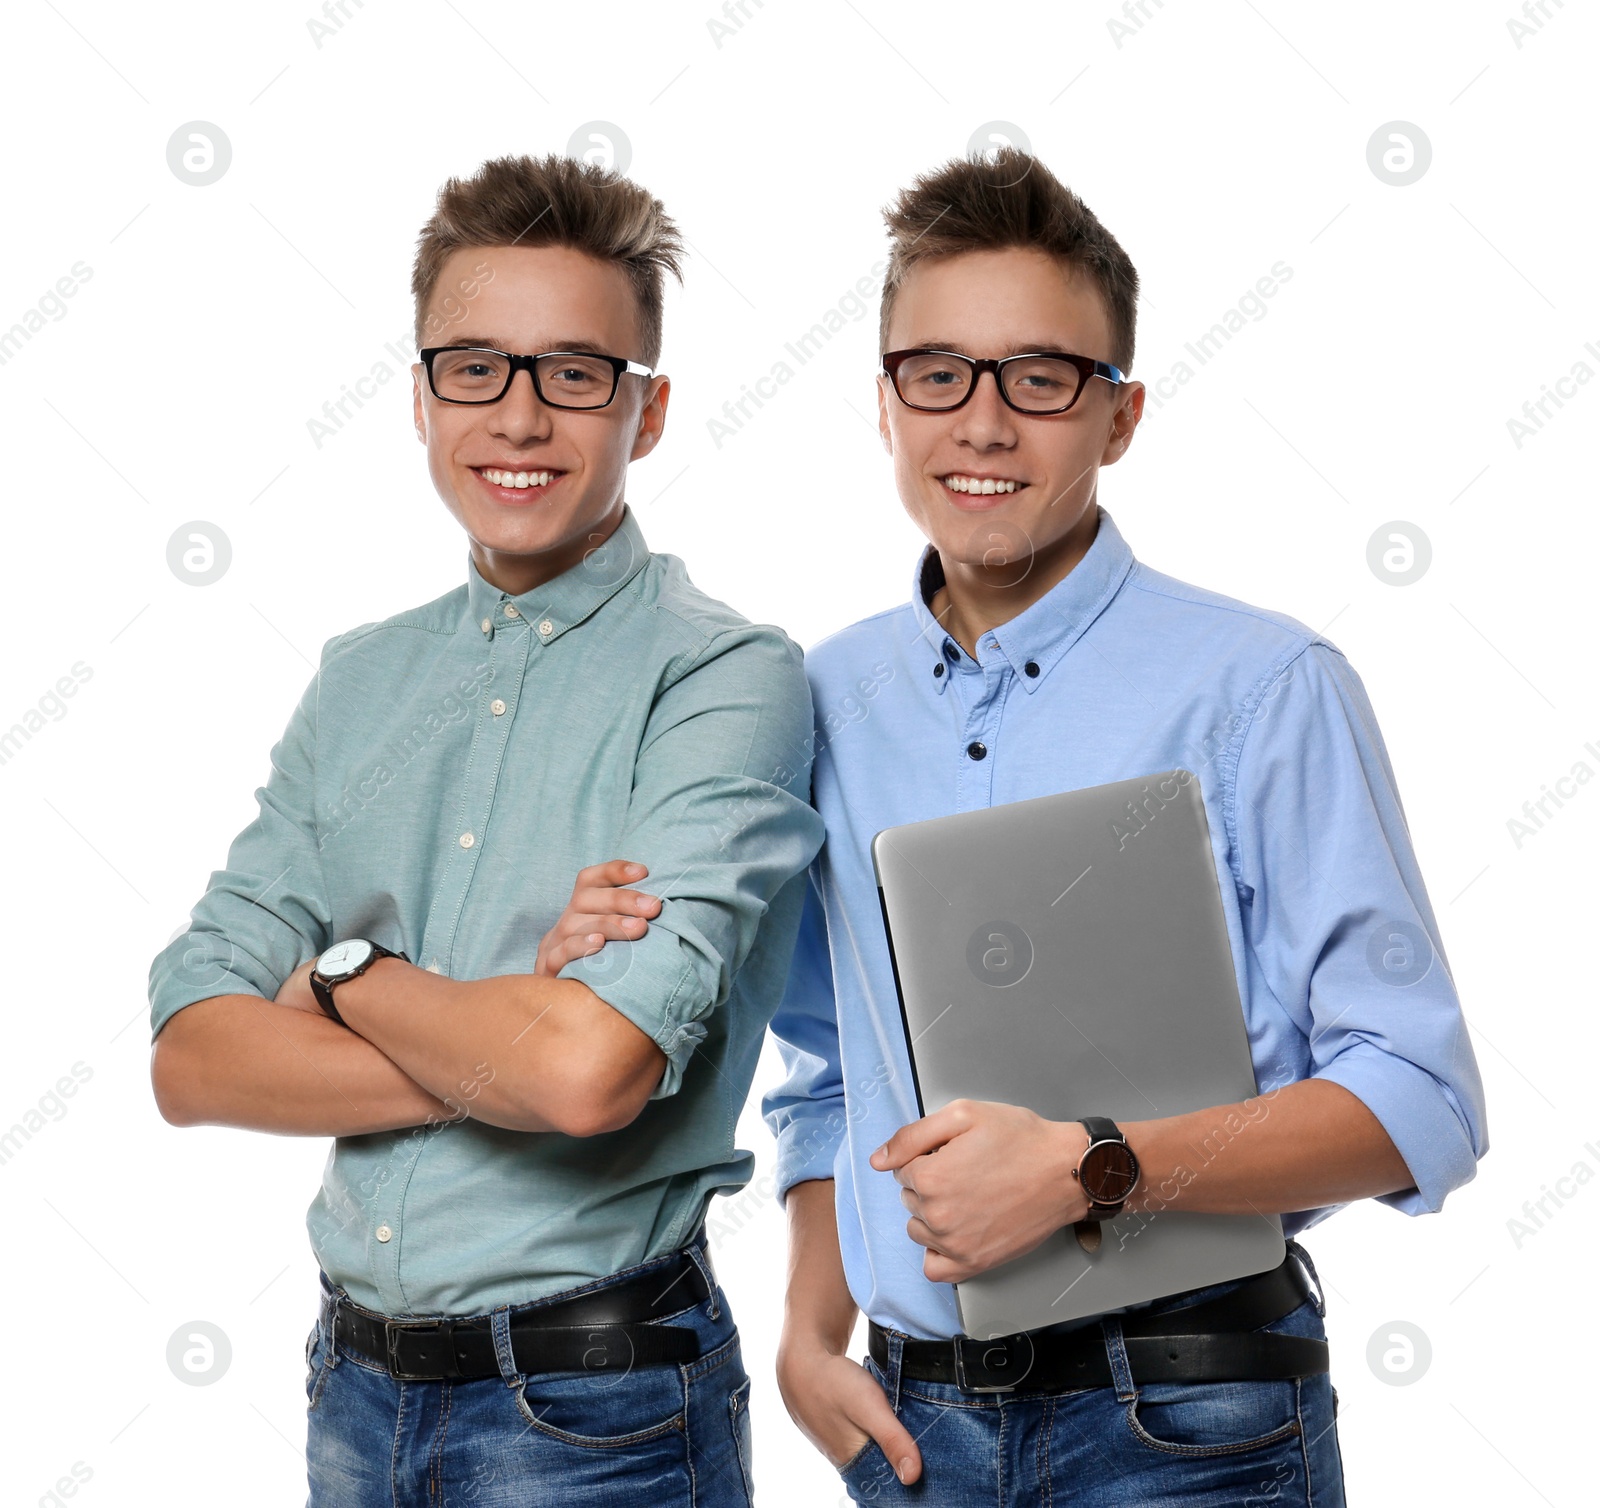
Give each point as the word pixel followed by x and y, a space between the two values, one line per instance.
pixel 1216 140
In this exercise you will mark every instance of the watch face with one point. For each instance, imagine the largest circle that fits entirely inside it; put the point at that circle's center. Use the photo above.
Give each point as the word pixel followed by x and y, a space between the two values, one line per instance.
pixel 343 957
pixel 1108 1172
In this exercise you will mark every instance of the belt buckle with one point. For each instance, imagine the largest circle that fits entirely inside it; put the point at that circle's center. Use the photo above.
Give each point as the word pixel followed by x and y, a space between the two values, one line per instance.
pixel 998 1352
pixel 392 1330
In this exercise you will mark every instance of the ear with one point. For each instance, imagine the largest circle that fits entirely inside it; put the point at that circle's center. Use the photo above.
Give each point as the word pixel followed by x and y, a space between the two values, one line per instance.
pixel 416 402
pixel 1125 419
pixel 883 415
pixel 652 417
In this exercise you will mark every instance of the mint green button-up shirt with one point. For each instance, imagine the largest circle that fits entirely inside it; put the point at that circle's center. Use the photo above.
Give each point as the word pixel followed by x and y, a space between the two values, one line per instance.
pixel 446 774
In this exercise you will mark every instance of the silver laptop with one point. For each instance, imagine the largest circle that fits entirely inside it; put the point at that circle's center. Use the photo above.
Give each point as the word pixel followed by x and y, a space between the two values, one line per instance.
pixel 1070 953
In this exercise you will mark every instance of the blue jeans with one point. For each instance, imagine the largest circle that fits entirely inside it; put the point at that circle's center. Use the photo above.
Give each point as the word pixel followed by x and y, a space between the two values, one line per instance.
pixel 673 1434
pixel 1199 1445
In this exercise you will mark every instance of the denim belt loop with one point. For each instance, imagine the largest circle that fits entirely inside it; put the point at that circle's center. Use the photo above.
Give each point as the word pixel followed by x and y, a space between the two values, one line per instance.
pixel 1117 1350
pixel 500 1328
pixel 1303 1257
pixel 892 1372
pixel 328 1298
pixel 702 1259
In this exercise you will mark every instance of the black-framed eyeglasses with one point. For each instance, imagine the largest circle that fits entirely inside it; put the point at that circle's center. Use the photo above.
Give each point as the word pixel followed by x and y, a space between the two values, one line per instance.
pixel 1037 382
pixel 563 379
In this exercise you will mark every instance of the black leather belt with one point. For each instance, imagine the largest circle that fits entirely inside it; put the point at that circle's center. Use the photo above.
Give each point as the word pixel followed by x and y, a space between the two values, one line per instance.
pixel 607 1330
pixel 1211 1341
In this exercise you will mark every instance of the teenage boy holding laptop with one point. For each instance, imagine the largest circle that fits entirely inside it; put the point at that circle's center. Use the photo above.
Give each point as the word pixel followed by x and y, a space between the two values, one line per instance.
pixel 1037 655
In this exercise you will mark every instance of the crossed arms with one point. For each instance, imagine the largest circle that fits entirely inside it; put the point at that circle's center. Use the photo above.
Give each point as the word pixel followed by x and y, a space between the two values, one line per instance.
pixel 528 1052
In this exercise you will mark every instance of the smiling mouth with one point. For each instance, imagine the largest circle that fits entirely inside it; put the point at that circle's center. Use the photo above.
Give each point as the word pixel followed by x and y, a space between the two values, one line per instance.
pixel 518 481
pixel 960 482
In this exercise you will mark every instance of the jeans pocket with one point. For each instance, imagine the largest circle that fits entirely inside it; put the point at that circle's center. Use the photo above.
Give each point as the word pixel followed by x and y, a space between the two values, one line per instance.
pixel 606 1409
pixel 867 1475
pixel 739 1418
pixel 316 1365
pixel 1214 1418
pixel 848 1466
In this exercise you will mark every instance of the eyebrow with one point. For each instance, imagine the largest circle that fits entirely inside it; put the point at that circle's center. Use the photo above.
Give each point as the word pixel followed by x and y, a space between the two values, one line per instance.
pixel 493 343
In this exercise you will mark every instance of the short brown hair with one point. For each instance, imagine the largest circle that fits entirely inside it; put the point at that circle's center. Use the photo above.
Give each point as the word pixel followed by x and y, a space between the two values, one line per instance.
pixel 555 201
pixel 1002 199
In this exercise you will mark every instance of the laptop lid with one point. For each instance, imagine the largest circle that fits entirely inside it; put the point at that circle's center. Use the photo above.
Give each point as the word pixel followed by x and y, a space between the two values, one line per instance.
pixel 1070 953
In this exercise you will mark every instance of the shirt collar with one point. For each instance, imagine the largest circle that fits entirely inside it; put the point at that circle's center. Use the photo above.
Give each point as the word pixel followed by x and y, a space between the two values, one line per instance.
pixel 566 600
pixel 1041 634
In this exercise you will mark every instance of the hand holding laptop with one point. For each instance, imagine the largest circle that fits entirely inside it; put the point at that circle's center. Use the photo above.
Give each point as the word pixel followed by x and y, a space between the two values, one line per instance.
pixel 1001 1185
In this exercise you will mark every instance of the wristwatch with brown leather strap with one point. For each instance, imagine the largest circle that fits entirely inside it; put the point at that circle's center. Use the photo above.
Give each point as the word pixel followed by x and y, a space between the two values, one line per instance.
pixel 1107 1171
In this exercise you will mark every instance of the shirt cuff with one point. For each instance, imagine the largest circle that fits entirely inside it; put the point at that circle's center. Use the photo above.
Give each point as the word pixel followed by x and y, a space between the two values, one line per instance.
pixel 1419 1114
pixel 198 965
pixel 809 1143
pixel 636 994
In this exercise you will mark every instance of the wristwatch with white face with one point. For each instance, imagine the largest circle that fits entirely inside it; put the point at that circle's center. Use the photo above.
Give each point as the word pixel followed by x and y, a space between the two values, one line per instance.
pixel 344 960
pixel 1108 1171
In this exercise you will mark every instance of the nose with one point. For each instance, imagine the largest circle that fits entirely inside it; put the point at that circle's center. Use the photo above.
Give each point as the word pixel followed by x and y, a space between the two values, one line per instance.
pixel 984 419
pixel 520 415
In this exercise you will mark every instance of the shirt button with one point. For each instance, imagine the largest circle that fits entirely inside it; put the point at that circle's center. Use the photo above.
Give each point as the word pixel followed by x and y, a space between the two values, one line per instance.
pixel 486 625
pixel 497 707
pixel 1031 667
pixel 383 1233
pixel 511 610
pixel 976 750
pixel 938 670
pixel 547 628
pixel 467 840
pixel 951 653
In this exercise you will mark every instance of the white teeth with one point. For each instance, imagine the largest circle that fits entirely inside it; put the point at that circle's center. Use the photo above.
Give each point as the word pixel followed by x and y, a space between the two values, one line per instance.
pixel 973 484
pixel 518 479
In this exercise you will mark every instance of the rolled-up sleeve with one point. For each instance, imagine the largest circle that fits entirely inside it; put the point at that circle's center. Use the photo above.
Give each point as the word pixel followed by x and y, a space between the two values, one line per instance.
pixel 267 911
pixel 806 1112
pixel 1340 924
pixel 719 815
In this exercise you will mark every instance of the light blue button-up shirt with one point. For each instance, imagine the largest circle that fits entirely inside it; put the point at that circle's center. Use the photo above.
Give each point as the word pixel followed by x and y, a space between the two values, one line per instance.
pixel 1119 671
pixel 447 773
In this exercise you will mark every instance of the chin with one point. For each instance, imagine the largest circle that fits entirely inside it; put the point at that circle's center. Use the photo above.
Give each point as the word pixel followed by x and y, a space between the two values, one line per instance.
pixel 522 531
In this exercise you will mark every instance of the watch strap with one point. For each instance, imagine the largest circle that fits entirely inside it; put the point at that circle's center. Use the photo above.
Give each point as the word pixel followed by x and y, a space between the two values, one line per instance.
pixel 1101 1128
pixel 324 998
